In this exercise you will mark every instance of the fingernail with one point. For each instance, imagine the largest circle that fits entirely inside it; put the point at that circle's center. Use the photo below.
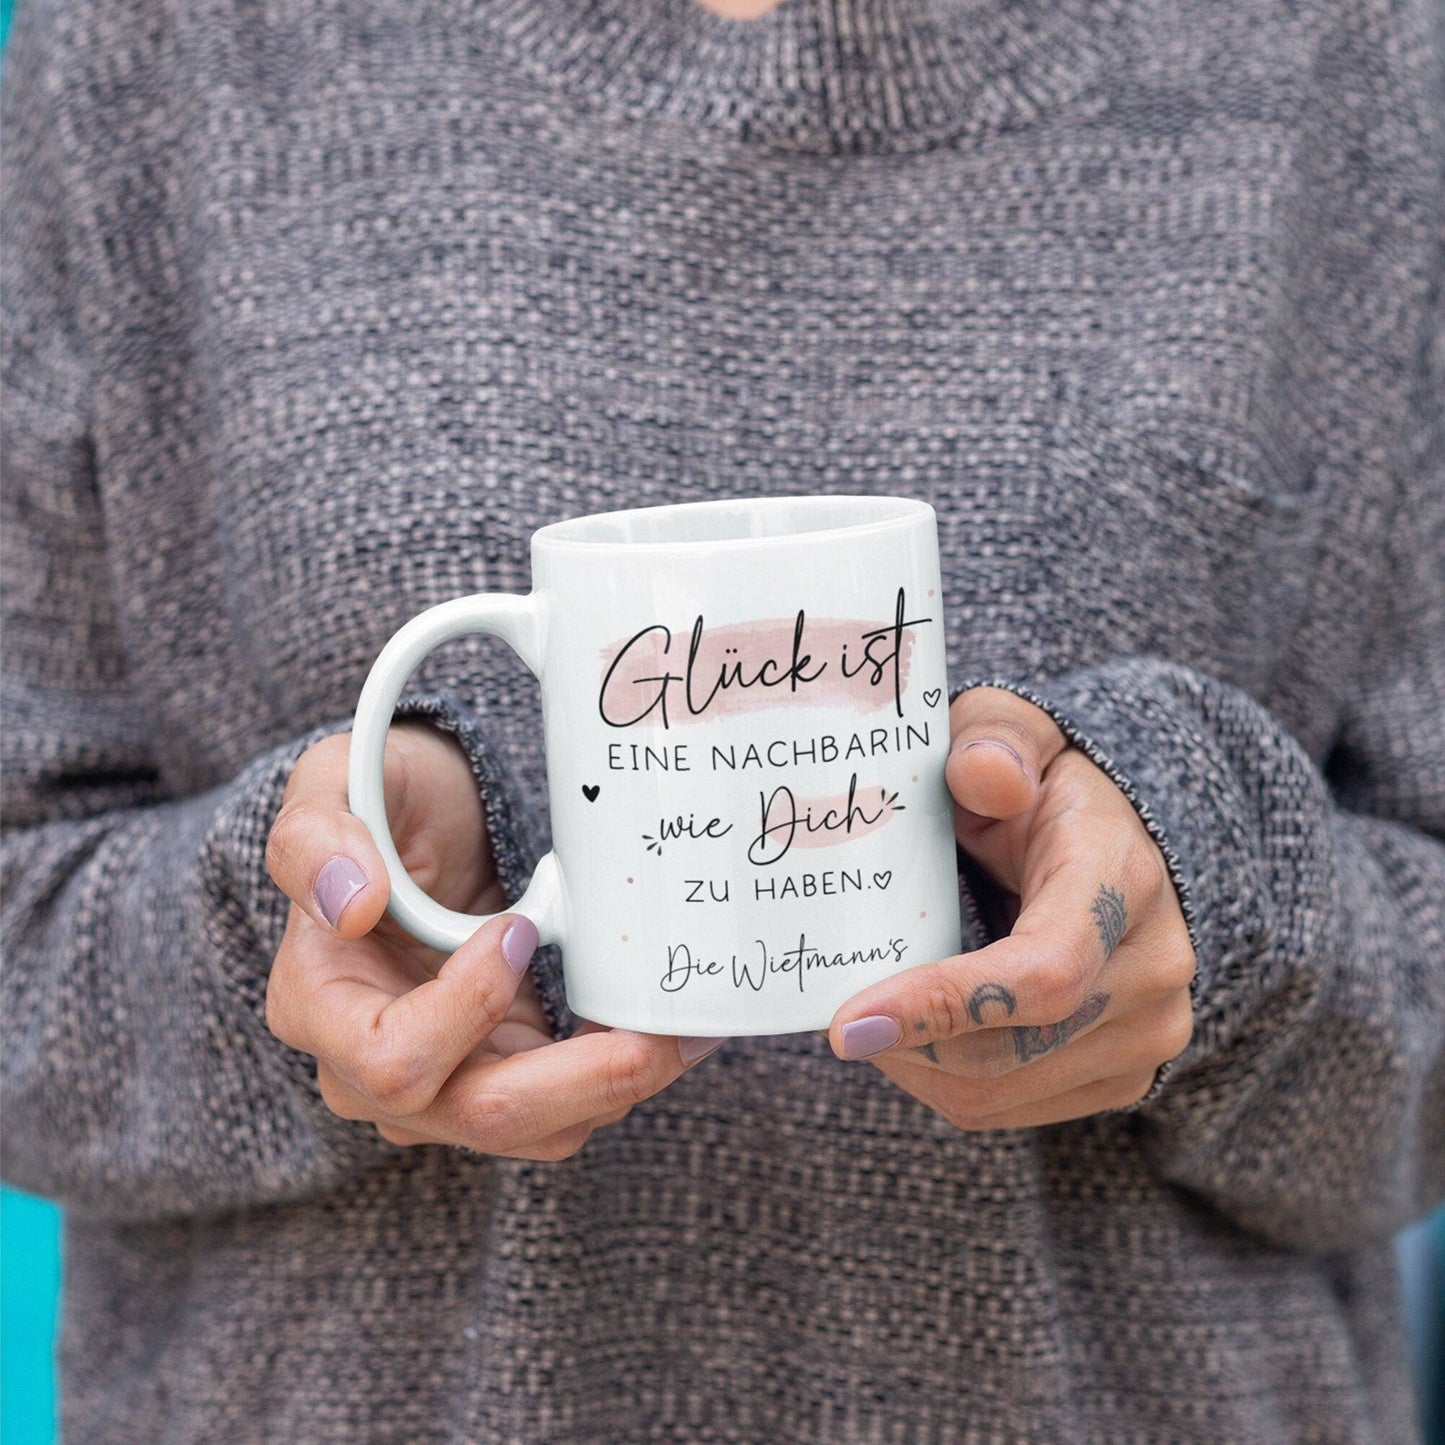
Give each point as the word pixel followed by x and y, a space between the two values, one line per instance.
pixel 864 1037
pixel 519 943
pixel 336 885
pixel 693 1051
pixel 1002 747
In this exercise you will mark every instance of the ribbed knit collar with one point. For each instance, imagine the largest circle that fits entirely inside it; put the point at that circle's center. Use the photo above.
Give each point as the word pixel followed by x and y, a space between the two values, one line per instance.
pixel 817 75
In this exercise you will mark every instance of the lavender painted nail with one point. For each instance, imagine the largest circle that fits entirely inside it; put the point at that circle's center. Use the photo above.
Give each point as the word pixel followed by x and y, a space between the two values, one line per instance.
pixel 337 884
pixel 864 1037
pixel 519 943
pixel 694 1051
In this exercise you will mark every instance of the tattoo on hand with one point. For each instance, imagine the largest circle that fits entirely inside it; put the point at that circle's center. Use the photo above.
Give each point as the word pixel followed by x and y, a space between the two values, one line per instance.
pixel 1110 917
pixel 989 993
pixel 929 1050
pixel 1031 1041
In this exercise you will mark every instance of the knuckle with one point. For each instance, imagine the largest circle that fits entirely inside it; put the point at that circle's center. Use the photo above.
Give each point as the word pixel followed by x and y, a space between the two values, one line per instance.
pixel 1000 1066
pixel 1061 980
pixel 631 1074
pixel 284 844
pixel 973 1106
pixel 336 1096
pixel 943 1003
pixel 983 1066
pixel 502 1121
pixel 393 1078
pixel 1144 874
pixel 486 1001
pixel 1178 1029
pixel 1179 966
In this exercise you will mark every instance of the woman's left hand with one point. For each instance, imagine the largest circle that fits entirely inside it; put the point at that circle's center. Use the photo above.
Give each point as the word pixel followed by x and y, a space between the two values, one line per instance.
pixel 1076 1009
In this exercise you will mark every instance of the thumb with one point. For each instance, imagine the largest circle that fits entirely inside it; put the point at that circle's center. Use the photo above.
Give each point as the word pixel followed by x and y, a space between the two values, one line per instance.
pixel 1001 747
pixel 319 854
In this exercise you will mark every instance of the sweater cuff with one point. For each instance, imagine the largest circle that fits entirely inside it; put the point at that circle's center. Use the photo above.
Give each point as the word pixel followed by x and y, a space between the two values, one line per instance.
pixel 1136 720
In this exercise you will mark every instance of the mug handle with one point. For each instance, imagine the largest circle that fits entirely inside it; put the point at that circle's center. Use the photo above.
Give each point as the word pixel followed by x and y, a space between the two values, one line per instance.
pixel 517 621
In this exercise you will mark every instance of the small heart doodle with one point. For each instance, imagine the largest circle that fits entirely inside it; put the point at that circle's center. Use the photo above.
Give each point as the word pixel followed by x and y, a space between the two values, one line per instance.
pixel 882 880
pixel 590 791
pixel 932 696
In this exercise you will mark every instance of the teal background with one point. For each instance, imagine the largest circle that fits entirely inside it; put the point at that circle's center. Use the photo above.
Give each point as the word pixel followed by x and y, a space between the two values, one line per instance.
pixel 30 1279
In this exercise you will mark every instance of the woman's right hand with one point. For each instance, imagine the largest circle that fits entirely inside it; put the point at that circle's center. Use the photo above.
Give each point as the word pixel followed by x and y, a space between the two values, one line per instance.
pixel 432 1049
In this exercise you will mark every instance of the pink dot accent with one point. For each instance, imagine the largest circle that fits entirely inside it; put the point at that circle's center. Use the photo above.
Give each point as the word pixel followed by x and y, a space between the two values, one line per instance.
pixel 930 591
pixel 624 938
pixel 915 779
pixel 922 914
pixel 630 880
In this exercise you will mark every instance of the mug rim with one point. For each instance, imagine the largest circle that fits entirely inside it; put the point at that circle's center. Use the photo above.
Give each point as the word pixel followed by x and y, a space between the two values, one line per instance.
pixel 894 513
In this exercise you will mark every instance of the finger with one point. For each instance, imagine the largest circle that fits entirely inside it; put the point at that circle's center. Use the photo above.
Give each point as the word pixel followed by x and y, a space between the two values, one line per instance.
pixel 1072 1062
pixel 1016 850
pixel 399 1046
pixel 556 1147
pixel 1001 748
pixel 349 1103
pixel 1099 1097
pixel 407 1138
pixel 512 1036
pixel 345 1102
pixel 526 1026
pixel 1040 974
pixel 319 854
pixel 616 1115
pixel 990 1055
pixel 970 1110
pixel 1027 1061
pixel 501 1105
pixel 1016 981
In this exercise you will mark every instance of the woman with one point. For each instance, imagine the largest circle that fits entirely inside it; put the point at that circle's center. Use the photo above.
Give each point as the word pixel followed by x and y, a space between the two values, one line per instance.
pixel 314 312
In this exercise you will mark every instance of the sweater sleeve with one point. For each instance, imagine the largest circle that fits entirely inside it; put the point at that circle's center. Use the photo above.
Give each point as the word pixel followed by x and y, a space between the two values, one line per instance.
pixel 1310 1105
pixel 137 1075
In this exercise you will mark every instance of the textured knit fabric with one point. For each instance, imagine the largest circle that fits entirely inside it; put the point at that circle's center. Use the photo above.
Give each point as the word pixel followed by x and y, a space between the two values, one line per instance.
pixel 314 311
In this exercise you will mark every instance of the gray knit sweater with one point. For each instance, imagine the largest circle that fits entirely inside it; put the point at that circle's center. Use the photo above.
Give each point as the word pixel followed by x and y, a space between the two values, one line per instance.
pixel 315 309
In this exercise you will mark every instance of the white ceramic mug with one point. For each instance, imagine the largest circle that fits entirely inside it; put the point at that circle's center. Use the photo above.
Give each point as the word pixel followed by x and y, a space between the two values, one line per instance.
pixel 745 710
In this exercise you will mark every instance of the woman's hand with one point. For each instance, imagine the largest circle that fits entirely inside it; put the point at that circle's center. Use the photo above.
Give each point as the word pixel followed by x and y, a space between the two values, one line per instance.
pixel 432 1049
pixel 1075 1010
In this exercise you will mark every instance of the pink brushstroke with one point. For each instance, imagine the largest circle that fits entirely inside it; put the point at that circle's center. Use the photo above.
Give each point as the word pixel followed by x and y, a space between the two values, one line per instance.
pixel 867 799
